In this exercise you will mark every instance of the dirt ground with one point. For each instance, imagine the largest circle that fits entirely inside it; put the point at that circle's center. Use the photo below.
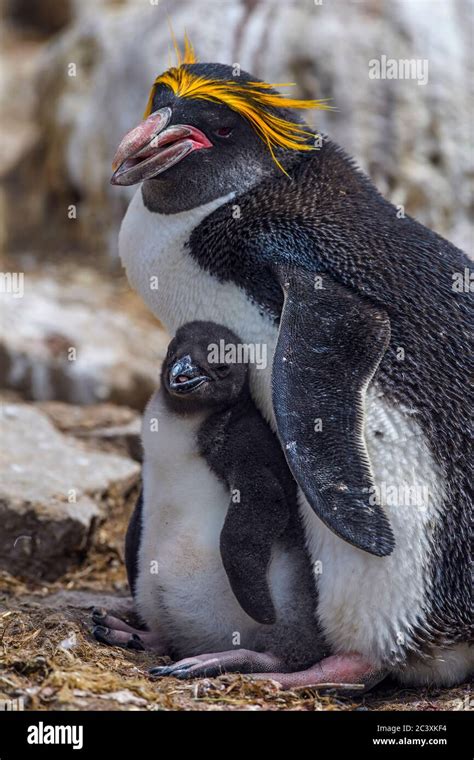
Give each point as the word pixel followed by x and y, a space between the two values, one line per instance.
pixel 49 659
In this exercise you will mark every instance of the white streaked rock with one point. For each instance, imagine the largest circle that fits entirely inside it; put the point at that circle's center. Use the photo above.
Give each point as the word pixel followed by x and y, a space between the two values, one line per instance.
pixel 52 493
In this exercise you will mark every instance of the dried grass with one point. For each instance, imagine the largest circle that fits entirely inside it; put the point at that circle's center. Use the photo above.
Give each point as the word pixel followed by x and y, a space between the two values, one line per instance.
pixel 48 657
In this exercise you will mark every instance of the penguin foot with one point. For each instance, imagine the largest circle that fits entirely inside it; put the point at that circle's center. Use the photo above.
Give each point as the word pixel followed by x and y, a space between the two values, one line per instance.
pixel 350 674
pixel 100 616
pixel 115 632
pixel 212 665
pixel 118 638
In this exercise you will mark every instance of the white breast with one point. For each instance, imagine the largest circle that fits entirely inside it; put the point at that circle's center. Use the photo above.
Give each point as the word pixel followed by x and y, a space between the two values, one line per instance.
pixel 182 588
pixel 370 604
pixel 177 290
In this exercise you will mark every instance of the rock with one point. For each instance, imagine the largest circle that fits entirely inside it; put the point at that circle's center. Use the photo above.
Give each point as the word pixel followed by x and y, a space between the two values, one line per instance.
pixel 44 18
pixel 411 138
pixel 121 606
pixel 125 697
pixel 51 494
pixel 104 426
pixel 125 439
pixel 87 420
pixel 71 339
pixel 18 131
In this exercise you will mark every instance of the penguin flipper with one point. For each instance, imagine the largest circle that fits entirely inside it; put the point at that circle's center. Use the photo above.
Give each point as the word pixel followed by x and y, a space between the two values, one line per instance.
pixel 250 530
pixel 330 344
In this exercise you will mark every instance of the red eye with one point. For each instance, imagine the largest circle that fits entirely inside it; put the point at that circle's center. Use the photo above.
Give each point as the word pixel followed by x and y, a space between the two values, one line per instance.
pixel 224 131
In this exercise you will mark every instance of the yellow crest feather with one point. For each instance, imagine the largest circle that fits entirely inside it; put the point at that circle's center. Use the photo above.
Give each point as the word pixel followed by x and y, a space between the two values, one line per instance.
pixel 250 99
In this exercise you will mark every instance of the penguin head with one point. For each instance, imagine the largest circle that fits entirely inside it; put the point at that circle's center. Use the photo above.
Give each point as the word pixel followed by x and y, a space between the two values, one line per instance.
pixel 200 372
pixel 209 132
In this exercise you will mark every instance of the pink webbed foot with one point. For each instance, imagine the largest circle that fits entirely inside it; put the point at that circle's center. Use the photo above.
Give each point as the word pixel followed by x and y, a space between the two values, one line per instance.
pixel 212 665
pixel 115 632
pixel 349 673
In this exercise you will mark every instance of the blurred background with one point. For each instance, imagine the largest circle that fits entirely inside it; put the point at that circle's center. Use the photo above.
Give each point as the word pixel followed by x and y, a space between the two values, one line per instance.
pixel 75 76
pixel 79 353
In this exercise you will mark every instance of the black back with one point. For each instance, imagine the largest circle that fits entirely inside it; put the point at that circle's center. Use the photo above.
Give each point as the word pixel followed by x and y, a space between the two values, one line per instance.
pixel 330 218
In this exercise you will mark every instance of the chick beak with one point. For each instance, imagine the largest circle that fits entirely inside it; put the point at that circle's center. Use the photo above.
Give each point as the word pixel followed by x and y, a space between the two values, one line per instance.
pixel 152 147
pixel 186 375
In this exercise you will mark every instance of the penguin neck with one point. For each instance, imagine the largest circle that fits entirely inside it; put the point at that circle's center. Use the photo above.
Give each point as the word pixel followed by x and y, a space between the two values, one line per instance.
pixel 189 406
pixel 186 406
pixel 165 195
pixel 214 429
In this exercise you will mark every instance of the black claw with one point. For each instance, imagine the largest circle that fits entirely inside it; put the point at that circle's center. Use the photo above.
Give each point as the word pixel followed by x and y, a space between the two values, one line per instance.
pixel 182 673
pixel 159 670
pixel 204 671
pixel 168 670
pixel 135 642
pixel 100 632
pixel 98 614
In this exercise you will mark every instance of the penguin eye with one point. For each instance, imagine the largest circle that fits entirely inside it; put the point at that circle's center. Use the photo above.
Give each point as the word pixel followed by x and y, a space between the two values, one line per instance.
pixel 223 131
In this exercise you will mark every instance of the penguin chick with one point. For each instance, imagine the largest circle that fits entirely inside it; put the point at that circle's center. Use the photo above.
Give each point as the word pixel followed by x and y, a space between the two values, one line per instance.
pixel 241 450
pixel 215 549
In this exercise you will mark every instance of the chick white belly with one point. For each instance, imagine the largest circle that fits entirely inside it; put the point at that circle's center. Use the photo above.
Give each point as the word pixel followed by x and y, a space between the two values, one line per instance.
pixel 182 588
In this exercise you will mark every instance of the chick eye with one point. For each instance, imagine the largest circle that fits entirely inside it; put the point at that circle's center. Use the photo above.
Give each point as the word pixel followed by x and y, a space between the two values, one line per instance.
pixel 223 131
